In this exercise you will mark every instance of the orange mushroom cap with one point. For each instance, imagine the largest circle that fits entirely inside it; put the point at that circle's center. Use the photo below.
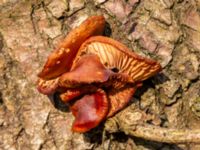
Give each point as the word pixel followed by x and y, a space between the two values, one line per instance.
pixel 61 59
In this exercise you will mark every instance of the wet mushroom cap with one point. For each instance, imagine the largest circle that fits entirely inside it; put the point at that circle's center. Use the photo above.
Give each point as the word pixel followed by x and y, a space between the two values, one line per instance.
pixel 61 59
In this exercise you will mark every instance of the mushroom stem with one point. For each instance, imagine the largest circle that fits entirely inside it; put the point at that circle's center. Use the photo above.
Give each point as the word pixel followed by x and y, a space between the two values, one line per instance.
pixel 165 135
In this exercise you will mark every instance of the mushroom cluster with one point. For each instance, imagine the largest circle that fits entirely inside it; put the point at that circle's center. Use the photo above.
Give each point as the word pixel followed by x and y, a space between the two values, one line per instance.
pixel 95 74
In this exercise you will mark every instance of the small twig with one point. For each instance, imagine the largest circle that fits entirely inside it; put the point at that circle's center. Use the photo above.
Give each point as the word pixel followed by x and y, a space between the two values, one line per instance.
pixel 103 138
pixel 165 135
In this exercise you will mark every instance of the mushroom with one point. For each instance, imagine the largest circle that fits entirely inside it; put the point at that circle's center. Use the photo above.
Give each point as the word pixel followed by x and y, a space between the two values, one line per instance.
pixel 95 74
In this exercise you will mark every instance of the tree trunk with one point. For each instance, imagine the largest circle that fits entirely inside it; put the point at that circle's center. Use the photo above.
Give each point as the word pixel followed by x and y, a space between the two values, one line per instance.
pixel 165 111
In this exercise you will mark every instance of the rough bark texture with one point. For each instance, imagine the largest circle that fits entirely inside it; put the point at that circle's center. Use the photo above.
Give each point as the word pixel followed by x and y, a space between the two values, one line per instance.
pixel 166 30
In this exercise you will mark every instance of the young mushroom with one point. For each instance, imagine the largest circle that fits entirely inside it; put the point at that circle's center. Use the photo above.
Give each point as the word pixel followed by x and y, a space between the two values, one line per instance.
pixel 98 79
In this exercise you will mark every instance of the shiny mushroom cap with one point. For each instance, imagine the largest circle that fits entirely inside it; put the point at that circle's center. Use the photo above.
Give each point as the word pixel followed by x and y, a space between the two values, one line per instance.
pixel 60 60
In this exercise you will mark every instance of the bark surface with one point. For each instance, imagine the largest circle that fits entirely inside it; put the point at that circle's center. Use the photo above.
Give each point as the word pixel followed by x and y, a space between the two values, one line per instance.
pixel 165 111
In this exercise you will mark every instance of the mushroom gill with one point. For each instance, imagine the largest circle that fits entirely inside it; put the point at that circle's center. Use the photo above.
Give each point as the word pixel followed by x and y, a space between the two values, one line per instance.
pixel 114 54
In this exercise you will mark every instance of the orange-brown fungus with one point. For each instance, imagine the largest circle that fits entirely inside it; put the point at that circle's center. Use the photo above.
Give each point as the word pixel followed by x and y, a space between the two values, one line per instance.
pixel 96 74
